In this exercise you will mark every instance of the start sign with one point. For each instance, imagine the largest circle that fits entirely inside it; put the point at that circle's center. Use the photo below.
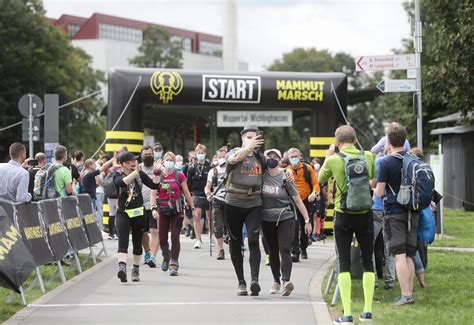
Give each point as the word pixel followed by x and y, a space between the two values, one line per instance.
pixel 231 89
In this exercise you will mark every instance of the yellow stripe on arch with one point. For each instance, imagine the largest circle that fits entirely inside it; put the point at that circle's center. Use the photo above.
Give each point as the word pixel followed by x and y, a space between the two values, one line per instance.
pixel 109 147
pixel 322 140
pixel 320 153
pixel 125 135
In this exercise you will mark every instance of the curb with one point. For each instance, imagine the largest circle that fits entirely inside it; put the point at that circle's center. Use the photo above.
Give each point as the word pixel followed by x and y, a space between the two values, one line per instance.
pixel 320 309
pixel 28 310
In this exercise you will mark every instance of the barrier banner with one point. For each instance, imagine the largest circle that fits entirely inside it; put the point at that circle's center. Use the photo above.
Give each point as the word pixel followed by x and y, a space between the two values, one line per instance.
pixel 55 230
pixel 72 221
pixel 16 262
pixel 32 230
pixel 89 220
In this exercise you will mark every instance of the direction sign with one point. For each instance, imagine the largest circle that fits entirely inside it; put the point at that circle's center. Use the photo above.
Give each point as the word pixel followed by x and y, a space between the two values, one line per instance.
pixel 397 86
pixel 35 131
pixel 24 105
pixel 385 62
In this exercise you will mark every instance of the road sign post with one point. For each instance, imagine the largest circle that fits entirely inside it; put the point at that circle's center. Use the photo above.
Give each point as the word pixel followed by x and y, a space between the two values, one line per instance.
pixel 30 105
pixel 397 86
pixel 418 49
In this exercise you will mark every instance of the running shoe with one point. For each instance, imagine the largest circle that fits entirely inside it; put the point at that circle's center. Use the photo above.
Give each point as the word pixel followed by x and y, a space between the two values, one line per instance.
pixel 295 258
pixel 242 289
pixel 267 260
pixel 254 288
pixel 122 273
pixel 287 288
pixel 344 320
pixel 110 237
pixel 152 261
pixel 365 317
pixel 404 300
pixel 221 255
pixel 135 274
pixel 192 235
pixel 146 258
pixel 321 237
pixel 388 286
pixel 275 288
pixel 174 266
pixel 313 237
pixel 198 244
pixel 304 254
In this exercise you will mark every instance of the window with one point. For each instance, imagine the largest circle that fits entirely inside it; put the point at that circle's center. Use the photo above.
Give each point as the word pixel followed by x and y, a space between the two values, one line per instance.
pixel 120 33
pixel 210 48
pixel 187 42
pixel 72 30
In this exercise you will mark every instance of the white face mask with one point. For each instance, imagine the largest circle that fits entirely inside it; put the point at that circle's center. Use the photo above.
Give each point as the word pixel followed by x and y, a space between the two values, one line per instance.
pixel 317 166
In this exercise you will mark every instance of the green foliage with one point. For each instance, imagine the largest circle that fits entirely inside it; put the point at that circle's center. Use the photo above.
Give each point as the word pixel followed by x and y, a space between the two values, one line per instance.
pixel 38 58
pixel 159 50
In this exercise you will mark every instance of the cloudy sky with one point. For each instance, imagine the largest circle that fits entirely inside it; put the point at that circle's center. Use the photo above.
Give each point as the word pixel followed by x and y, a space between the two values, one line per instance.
pixel 268 28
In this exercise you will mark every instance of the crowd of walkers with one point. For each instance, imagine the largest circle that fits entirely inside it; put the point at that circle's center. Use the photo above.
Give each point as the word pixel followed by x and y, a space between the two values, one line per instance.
pixel 245 194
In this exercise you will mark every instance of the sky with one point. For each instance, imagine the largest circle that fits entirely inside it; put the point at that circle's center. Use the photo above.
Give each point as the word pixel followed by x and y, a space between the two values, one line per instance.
pixel 268 28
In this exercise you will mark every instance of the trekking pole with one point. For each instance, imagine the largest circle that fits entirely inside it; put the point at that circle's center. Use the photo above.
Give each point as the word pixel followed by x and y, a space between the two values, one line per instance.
pixel 210 229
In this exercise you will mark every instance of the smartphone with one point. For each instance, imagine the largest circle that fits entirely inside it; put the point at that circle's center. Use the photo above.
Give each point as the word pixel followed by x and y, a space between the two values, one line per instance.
pixel 33 162
pixel 260 134
pixel 336 149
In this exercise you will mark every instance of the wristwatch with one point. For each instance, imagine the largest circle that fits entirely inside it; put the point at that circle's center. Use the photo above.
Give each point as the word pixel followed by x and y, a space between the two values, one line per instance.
pixel 307 221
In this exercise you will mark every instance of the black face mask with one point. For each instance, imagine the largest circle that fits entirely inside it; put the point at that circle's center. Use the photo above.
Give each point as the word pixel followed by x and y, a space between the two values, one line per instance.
pixel 272 163
pixel 148 161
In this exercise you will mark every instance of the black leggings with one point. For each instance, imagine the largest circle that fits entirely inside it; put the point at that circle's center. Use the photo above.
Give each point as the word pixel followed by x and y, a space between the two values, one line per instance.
pixel 345 225
pixel 235 218
pixel 300 239
pixel 279 239
pixel 123 224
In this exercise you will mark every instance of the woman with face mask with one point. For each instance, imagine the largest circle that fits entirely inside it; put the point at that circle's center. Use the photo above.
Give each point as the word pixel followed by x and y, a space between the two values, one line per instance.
pixel 278 221
pixel 168 208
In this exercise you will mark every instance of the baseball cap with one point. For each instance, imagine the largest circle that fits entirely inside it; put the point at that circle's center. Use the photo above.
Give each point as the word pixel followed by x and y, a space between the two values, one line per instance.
pixel 249 128
pixel 127 156
pixel 267 152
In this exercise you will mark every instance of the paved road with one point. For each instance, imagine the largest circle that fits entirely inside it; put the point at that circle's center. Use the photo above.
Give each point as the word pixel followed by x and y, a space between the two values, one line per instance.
pixel 203 293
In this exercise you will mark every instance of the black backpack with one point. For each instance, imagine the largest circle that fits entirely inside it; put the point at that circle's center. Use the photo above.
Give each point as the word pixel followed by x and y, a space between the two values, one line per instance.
pixel 110 190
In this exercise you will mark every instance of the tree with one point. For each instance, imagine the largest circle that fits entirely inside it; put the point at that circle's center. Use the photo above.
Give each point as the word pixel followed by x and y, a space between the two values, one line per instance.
pixel 38 58
pixel 159 50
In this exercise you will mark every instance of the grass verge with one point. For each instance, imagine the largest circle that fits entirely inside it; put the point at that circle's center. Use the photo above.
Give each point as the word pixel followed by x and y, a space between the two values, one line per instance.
pixel 9 309
pixel 458 229
pixel 448 299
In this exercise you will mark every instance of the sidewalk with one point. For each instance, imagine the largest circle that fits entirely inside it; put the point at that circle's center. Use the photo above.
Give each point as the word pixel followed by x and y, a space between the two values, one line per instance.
pixel 453 249
pixel 203 293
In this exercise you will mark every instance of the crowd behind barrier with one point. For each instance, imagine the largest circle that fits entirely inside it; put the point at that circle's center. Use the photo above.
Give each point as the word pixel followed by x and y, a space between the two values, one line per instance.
pixel 34 234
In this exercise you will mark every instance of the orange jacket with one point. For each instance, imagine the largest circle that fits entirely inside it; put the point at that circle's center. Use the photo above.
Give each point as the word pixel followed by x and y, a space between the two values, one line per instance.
pixel 302 185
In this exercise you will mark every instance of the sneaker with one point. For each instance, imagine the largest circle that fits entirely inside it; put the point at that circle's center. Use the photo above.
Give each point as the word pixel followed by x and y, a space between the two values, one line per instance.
pixel 198 244
pixel 254 288
pixel 188 231
pixel 275 288
pixel 295 258
pixel 221 255
pixel 135 275
pixel 304 255
pixel 404 300
pixel 115 237
pixel 152 261
pixel 192 234
pixel 343 320
pixel 313 237
pixel 110 237
pixel 321 237
pixel 174 266
pixel 242 289
pixel 422 285
pixel 122 273
pixel 365 317
pixel 287 288
pixel 267 260
pixel 146 258
pixel 165 265
pixel 388 286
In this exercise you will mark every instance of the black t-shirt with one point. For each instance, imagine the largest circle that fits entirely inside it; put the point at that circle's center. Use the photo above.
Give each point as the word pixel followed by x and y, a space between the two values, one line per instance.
pixel 88 183
pixel 74 171
pixel 132 190
pixel 197 178
pixel 390 173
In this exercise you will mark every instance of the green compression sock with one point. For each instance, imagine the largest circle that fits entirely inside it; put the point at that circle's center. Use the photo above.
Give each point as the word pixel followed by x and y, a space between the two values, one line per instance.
pixel 344 281
pixel 368 283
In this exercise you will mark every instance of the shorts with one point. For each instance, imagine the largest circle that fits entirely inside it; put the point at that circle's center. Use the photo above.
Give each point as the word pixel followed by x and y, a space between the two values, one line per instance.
pixel 150 221
pixel 401 239
pixel 200 202
pixel 113 203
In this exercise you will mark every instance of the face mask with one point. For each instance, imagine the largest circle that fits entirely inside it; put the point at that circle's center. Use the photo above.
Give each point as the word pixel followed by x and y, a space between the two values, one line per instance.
pixel 157 155
pixel 272 163
pixel 294 161
pixel 317 166
pixel 148 161
pixel 201 156
pixel 169 164
pixel 246 142
pixel 221 161
pixel 179 165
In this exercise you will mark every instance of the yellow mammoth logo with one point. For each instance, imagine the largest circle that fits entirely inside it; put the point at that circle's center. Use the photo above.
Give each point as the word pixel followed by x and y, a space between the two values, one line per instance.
pixel 166 85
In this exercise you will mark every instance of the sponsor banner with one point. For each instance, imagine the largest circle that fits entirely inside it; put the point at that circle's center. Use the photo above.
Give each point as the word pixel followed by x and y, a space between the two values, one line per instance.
pixel 55 230
pixel 88 219
pixel 33 233
pixel 259 118
pixel 72 221
pixel 16 262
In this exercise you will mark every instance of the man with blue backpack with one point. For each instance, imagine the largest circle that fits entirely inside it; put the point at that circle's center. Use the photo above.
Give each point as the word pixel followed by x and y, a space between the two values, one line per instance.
pixel 407 184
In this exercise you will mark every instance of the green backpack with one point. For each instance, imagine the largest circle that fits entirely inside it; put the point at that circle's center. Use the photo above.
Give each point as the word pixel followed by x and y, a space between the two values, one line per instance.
pixel 358 197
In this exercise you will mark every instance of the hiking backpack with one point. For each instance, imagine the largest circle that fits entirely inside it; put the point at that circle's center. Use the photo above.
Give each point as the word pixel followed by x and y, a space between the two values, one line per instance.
pixel 358 197
pixel 417 184
pixel 110 190
pixel 45 183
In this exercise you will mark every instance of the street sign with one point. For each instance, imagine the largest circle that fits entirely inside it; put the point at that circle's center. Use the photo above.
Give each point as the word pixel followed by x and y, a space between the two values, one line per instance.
pixel 24 105
pixel 397 86
pixel 258 118
pixel 411 73
pixel 25 129
pixel 385 62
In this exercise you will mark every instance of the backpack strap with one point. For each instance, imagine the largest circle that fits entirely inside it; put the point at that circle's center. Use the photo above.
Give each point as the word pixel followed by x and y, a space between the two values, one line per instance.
pixel 176 177
pixel 307 175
